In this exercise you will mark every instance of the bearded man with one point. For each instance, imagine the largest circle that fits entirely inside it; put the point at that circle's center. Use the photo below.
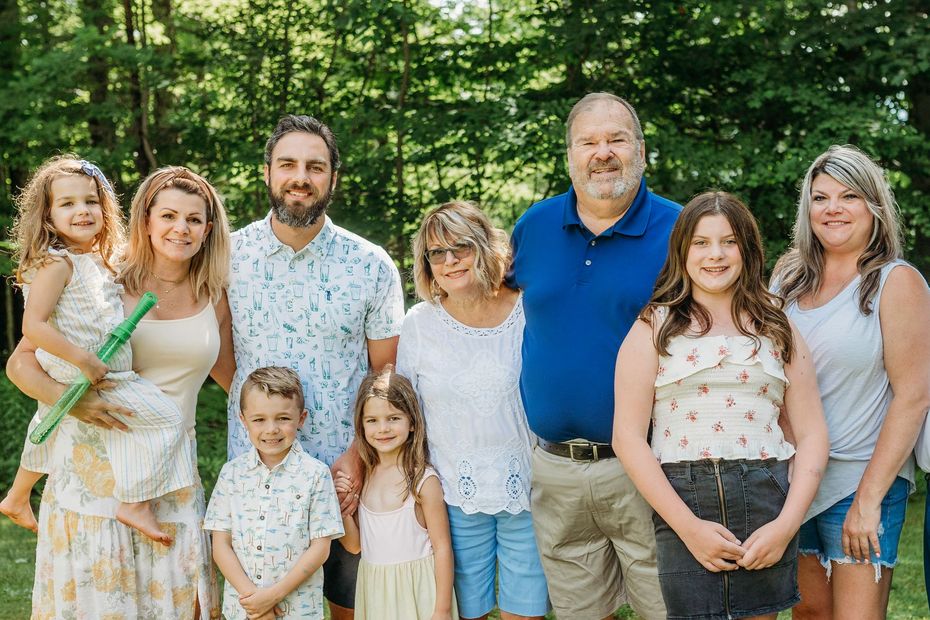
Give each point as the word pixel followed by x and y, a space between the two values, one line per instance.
pixel 587 261
pixel 312 296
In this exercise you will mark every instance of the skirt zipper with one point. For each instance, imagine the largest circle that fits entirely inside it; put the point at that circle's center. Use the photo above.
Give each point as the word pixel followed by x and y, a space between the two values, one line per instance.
pixel 721 498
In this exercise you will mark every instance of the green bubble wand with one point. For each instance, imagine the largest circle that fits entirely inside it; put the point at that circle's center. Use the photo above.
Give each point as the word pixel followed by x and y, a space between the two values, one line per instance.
pixel 75 391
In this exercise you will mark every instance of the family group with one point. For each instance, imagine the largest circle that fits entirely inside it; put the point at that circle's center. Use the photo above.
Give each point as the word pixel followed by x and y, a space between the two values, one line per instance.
pixel 611 405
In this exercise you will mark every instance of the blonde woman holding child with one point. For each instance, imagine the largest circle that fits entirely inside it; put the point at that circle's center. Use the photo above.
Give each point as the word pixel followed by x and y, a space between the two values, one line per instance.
pixel 68 227
pixel 87 562
pixel 709 366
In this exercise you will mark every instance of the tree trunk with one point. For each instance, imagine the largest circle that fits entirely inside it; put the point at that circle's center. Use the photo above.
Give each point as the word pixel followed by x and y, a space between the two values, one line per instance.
pixel 144 156
pixel 401 101
pixel 9 317
pixel 162 98
pixel 919 97
pixel 100 126
pixel 10 34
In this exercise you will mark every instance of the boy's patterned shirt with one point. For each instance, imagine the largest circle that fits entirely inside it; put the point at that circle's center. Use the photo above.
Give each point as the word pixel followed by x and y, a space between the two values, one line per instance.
pixel 272 515
pixel 313 310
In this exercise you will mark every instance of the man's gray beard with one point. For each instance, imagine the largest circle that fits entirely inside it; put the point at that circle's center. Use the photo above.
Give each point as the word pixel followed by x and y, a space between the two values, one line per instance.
pixel 627 182
pixel 305 217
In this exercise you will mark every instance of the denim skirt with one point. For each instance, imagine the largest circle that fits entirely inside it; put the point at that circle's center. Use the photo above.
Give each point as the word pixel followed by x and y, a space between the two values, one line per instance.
pixel 742 495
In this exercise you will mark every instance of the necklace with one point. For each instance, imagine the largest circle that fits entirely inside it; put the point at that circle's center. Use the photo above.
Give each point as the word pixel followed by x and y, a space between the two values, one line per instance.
pixel 163 292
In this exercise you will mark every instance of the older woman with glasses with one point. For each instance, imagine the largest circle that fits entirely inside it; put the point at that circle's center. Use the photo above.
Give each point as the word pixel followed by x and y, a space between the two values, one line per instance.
pixel 460 347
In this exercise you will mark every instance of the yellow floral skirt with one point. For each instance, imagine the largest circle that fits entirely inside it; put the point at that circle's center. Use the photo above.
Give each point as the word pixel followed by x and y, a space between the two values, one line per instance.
pixel 89 565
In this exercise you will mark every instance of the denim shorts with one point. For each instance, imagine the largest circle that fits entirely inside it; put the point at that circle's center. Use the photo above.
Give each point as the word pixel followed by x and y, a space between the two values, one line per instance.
pixel 501 545
pixel 822 535
pixel 754 493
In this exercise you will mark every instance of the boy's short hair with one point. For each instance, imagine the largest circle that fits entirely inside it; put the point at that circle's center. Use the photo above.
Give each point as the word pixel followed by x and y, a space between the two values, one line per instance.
pixel 273 381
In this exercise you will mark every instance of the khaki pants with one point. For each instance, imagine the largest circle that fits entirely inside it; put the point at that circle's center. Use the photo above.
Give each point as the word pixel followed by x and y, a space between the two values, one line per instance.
pixel 596 538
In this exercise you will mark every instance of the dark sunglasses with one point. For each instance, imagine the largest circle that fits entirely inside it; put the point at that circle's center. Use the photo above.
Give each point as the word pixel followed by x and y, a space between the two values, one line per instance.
pixel 437 256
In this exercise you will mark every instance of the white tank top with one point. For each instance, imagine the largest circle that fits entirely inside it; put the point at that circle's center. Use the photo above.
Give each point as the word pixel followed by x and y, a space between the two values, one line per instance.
pixel 177 355
pixel 846 347
pixel 395 536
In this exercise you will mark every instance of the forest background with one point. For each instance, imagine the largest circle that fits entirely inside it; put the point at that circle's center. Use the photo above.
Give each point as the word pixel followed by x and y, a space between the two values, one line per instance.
pixel 434 100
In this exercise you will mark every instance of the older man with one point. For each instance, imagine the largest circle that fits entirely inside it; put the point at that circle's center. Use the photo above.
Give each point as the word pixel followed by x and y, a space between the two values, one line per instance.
pixel 315 297
pixel 587 261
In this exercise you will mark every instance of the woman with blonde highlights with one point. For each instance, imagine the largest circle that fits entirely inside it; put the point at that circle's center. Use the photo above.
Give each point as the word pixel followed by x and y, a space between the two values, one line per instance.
pixel 862 310
pixel 460 347
pixel 178 248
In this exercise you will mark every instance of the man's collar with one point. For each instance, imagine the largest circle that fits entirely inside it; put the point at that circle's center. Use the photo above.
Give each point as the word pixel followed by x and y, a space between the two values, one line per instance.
pixel 318 246
pixel 632 224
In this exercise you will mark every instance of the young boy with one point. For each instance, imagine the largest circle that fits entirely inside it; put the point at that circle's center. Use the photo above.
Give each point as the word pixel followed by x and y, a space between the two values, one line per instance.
pixel 274 509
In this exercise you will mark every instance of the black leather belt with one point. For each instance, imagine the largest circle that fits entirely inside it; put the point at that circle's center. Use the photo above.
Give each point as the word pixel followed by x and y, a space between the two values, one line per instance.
pixel 584 451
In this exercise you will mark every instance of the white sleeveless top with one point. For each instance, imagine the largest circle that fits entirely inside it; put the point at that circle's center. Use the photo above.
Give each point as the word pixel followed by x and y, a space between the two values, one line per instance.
pixel 88 309
pixel 719 397
pixel 177 355
pixel 846 347
pixel 394 536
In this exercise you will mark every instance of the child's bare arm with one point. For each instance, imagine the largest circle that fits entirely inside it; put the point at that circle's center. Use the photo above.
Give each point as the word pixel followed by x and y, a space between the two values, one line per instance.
pixel 351 540
pixel 50 280
pixel 263 599
pixel 228 563
pixel 437 524
pixel 804 413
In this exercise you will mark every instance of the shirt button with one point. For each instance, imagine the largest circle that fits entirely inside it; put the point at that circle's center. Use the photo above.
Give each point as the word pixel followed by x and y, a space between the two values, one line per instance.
pixel 298 497
pixel 587 262
pixel 268 486
pixel 259 547
pixel 261 518
pixel 258 576
pixel 594 242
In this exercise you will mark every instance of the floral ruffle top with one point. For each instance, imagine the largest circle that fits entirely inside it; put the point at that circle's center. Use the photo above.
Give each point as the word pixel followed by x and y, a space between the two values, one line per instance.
pixel 719 397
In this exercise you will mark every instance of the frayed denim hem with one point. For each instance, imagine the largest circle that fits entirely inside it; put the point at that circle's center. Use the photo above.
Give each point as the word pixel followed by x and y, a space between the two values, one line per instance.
pixel 827 563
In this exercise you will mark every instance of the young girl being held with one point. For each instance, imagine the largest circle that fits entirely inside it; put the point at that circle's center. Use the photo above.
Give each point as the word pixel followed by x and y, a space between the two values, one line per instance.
pixel 402 527
pixel 67 230
pixel 710 365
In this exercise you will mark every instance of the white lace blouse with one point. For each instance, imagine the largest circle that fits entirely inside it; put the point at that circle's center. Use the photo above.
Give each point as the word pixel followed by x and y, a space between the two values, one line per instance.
pixel 468 381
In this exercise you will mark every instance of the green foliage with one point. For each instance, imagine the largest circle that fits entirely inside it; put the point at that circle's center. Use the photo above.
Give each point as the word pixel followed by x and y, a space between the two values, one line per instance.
pixel 436 99
pixel 17 411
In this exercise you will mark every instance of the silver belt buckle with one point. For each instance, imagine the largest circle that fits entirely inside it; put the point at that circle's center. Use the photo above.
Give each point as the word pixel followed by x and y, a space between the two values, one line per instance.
pixel 571 452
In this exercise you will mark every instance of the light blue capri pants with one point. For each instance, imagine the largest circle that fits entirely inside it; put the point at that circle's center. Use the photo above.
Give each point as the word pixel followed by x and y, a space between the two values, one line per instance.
pixel 502 545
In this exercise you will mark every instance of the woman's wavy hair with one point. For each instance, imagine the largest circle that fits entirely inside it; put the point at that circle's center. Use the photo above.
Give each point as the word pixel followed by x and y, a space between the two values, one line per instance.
pixel 455 222
pixel 210 266
pixel 799 271
pixel 33 231
pixel 399 393
pixel 751 300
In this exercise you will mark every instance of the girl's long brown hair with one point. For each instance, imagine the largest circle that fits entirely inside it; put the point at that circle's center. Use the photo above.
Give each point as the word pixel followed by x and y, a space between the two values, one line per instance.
pixel 751 300
pixel 399 393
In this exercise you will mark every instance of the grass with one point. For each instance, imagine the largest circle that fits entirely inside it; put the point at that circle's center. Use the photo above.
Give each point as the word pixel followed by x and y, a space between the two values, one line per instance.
pixel 17 546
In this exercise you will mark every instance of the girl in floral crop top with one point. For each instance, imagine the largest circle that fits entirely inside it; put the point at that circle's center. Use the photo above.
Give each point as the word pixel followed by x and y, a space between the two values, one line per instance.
pixel 710 366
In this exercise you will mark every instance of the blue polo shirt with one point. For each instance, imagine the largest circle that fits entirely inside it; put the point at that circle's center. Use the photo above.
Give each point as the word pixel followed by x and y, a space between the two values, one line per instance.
pixel 581 294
